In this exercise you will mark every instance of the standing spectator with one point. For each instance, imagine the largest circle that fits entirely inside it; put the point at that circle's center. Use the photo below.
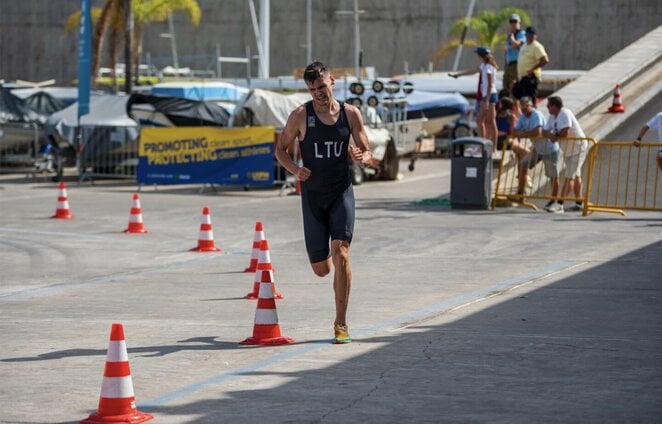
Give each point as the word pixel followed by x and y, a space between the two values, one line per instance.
pixel 562 123
pixel 515 40
pixel 529 125
pixel 486 119
pixel 654 122
pixel 532 57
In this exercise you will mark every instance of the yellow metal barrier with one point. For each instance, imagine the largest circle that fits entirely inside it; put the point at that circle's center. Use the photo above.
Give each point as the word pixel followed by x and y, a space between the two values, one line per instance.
pixel 625 177
pixel 525 174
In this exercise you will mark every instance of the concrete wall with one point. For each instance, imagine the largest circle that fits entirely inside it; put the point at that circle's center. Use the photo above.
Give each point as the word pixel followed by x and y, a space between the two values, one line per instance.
pixel 577 34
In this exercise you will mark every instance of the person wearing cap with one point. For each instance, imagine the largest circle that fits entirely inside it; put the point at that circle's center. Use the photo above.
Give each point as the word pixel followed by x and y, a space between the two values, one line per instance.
pixel 323 127
pixel 486 119
pixel 514 41
pixel 532 57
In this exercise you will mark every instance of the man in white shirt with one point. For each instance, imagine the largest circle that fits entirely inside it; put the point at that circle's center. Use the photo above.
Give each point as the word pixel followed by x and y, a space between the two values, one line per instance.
pixel 562 123
pixel 656 123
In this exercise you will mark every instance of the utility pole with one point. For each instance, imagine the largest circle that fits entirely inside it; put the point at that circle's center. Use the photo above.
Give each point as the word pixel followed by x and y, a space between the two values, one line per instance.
pixel 265 18
pixel 357 35
pixel 309 32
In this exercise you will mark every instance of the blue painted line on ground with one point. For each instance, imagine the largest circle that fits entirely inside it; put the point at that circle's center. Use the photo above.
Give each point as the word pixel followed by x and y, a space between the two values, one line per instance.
pixel 403 319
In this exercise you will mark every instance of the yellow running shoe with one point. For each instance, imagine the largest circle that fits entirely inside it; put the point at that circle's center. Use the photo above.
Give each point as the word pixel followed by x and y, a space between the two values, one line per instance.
pixel 341 334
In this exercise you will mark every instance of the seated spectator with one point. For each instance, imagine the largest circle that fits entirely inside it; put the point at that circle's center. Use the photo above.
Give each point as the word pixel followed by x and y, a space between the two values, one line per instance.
pixel 505 121
pixel 530 125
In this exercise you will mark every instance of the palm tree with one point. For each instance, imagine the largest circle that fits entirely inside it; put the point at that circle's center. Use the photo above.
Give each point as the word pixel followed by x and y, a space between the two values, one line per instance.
pixel 489 27
pixel 109 23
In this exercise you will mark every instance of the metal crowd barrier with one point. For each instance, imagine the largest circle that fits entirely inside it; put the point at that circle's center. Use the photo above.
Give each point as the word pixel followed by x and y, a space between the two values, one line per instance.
pixel 107 152
pixel 537 185
pixel 625 177
pixel 19 146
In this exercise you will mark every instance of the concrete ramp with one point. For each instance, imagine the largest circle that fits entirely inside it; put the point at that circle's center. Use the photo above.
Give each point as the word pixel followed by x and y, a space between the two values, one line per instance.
pixel 637 68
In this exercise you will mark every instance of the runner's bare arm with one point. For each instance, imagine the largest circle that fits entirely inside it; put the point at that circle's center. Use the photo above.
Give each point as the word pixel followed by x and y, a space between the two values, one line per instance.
pixel 292 132
pixel 361 152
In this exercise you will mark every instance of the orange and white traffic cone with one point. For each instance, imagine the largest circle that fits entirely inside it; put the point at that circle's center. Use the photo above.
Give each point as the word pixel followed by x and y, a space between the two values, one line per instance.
pixel 258 236
pixel 136 217
pixel 206 235
pixel 62 208
pixel 266 330
pixel 117 403
pixel 263 264
pixel 617 105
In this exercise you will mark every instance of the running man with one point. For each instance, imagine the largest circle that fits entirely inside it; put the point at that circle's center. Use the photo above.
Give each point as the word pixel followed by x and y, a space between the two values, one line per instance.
pixel 323 127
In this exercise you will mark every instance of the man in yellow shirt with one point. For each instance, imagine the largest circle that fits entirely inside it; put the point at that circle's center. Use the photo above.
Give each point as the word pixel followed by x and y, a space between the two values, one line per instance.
pixel 532 57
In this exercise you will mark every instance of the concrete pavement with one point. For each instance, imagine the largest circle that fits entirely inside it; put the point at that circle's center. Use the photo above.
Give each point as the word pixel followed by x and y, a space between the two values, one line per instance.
pixel 458 316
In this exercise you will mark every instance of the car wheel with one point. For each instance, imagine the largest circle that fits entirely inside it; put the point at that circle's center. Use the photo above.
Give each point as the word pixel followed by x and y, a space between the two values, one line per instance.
pixel 356 173
pixel 391 162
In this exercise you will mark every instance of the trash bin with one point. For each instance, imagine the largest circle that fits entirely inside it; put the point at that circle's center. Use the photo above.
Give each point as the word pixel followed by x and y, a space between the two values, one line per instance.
pixel 471 173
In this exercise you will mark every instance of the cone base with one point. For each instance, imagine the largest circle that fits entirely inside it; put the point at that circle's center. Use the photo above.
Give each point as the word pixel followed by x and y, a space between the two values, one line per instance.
pixel 617 109
pixel 137 417
pixel 62 216
pixel 267 341
pixel 250 269
pixel 251 295
pixel 205 249
pixel 140 231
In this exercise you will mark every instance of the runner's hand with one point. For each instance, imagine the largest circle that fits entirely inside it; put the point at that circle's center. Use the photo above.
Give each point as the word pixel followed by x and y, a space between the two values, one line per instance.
pixel 303 173
pixel 360 156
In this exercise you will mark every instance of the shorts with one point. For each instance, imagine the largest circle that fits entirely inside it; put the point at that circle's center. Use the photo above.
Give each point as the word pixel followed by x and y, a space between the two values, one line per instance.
pixel 326 217
pixel 492 99
pixel 509 75
pixel 526 86
pixel 551 161
pixel 573 165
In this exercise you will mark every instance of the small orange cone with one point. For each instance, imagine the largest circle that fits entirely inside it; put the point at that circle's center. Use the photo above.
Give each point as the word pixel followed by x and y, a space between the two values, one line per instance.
pixel 136 217
pixel 117 403
pixel 62 208
pixel 266 330
pixel 263 264
pixel 258 236
pixel 206 235
pixel 617 105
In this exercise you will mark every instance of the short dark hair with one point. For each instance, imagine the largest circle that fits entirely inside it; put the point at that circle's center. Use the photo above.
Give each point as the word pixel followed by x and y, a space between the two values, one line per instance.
pixel 314 71
pixel 506 103
pixel 555 101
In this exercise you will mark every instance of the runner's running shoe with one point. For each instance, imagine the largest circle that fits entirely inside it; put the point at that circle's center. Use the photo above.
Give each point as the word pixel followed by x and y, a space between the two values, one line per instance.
pixel 341 334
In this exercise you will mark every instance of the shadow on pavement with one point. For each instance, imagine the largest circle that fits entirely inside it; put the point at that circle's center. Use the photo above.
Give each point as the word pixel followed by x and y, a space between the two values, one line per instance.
pixel 587 349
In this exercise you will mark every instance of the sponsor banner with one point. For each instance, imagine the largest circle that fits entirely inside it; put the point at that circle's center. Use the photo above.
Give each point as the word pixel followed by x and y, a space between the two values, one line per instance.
pixel 203 155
